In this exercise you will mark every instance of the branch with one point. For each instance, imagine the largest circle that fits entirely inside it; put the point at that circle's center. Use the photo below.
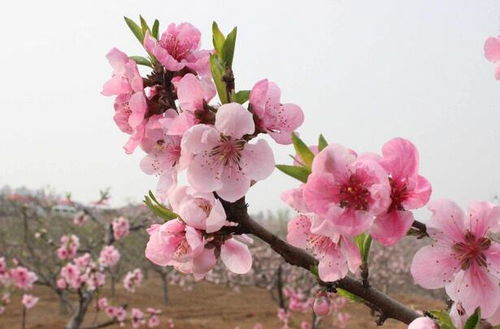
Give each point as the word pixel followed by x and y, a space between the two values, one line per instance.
pixel 386 306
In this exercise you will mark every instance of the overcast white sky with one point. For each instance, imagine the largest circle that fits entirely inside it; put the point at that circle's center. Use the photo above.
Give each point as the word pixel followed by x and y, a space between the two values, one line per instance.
pixel 362 71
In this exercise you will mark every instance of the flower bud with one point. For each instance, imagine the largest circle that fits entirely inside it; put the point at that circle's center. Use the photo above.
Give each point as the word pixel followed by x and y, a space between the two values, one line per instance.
pixel 321 306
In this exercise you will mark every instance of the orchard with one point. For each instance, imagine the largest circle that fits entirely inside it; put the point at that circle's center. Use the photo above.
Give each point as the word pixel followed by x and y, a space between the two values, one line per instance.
pixel 356 235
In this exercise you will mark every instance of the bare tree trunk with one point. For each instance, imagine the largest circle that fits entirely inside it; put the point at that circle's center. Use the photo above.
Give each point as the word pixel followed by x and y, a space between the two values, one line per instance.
pixel 279 287
pixel 77 319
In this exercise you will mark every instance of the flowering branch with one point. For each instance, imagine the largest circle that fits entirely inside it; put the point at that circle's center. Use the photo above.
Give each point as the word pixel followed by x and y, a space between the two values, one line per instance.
pixel 388 307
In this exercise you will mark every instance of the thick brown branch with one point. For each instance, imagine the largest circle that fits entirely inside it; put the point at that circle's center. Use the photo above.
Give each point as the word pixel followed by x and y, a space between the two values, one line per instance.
pixel 383 304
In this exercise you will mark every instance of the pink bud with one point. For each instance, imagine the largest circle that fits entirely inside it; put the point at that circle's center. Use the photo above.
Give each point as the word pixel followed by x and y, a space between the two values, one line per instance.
pixel 423 323
pixel 321 306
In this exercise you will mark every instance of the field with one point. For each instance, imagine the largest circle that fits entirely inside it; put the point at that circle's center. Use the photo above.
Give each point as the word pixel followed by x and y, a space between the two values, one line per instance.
pixel 206 306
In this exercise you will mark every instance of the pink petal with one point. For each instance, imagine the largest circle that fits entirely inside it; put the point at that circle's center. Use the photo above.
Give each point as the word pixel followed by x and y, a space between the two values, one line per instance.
pixel 190 93
pixel 483 217
pixel 204 174
pixel 420 194
pixel 400 158
pixel 299 231
pixel 475 287
pixel 257 160
pixel 295 199
pixel 351 253
pixel 493 259
pixel 236 256
pixel 434 267
pixel 204 262
pixel 447 221
pixel 335 159
pixel 332 265
pixel 390 227
pixel 314 192
pixel 349 222
pixel 492 49
pixel 234 120
pixel 138 106
pixel 216 219
pixel 234 184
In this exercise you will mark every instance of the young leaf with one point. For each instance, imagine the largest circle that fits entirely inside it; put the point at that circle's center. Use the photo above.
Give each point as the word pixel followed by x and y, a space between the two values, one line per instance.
pixel 136 29
pixel 473 321
pixel 302 150
pixel 141 60
pixel 218 38
pixel 443 318
pixel 156 29
pixel 242 96
pixel 217 72
pixel 363 241
pixel 144 26
pixel 157 208
pixel 322 143
pixel 349 295
pixel 228 48
pixel 300 173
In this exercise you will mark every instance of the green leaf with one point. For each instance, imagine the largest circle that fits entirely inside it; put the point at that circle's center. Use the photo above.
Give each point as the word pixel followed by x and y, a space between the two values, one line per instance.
pixel 141 60
pixel 228 48
pixel 218 38
pixel 156 29
pixel 157 208
pixel 136 29
pixel 144 26
pixel 242 96
pixel 302 150
pixel 322 143
pixel 473 321
pixel 363 241
pixel 300 173
pixel 443 318
pixel 349 295
pixel 217 73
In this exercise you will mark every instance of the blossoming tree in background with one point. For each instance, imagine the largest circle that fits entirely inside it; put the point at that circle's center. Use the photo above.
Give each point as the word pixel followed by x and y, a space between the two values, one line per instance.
pixel 345 200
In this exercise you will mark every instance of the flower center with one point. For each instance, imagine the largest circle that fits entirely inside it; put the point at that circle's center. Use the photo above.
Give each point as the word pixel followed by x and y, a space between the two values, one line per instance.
pixel 176 49
pixel 471 250
pixel 353 194
pixel 204 205
pixel 228 152
pixel 398 194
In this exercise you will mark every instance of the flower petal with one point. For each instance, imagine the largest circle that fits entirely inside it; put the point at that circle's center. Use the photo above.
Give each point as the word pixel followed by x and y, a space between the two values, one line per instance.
pixel 236 256
pixel 234 120
pixel 434 267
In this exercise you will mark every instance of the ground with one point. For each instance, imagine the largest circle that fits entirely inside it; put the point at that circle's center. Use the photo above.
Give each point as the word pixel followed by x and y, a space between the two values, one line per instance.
pixel 206 306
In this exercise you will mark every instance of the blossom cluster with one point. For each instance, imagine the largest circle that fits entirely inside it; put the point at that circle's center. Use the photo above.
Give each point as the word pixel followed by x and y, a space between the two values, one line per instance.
pixel 17 277
pixel 81 273
pixel 68 247
pixel 168 114
pixel 348 194
pixel 137 318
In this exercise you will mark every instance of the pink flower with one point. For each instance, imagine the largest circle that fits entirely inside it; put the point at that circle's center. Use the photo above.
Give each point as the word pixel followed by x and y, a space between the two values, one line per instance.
pixel 423 323
pixel 109 256
pixel 137 318
pixel 337 255
pixel 163 152
pixel 130 103
pixel 463 258
pixel 120 314
pixel 23 279
pixel 321 306
pixel 492 53
pixel 178 47
pixel 29 301
pixel 295 199
pixel 174 243
pixel 199 210
pixel 133 279
pixel 61 284
pixel 69 247
pixel 346 190
pixel 121 227
pixel 102 303
pixel 71 274
pixel 154 321
pixel 235 255
pixel 278 120
pixel 221 160
pixel 409 190
pixel 193 94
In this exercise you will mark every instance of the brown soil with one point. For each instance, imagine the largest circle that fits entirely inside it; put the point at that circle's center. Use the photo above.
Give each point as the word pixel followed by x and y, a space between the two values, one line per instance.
pixel 206 306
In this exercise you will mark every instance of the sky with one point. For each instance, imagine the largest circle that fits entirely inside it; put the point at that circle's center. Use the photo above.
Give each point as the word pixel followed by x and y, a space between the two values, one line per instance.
pixel 362 71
